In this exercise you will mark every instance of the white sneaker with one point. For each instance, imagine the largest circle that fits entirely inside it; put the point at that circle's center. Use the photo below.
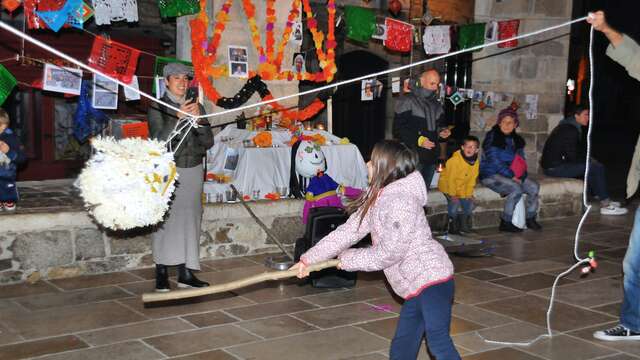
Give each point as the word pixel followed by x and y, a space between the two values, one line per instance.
pixel 613 210
pixel 617 333
pixel 614 203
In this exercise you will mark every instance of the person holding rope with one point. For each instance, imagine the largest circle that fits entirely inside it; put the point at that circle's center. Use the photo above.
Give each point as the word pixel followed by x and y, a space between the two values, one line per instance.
pixel 626 52
pixel 416 266
pixel 177 240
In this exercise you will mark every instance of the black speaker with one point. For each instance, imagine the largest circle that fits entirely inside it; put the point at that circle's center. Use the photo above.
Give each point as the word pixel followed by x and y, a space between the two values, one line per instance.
pixel 320 223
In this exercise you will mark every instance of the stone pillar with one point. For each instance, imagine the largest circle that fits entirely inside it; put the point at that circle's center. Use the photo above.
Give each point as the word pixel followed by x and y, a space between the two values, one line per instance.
pixel 537 66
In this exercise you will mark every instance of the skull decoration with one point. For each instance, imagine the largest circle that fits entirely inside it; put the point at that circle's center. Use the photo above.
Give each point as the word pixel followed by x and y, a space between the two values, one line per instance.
pixel 309 159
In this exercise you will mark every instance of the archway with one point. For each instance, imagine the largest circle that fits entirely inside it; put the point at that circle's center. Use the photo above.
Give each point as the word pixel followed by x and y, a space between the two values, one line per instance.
pixel 363 122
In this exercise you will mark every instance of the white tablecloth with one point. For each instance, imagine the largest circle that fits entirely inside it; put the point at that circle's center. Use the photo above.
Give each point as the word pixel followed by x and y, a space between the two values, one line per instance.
pixel 264 169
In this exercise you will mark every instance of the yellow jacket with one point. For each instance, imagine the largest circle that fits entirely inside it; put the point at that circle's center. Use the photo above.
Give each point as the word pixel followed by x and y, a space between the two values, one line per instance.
pixel 458 177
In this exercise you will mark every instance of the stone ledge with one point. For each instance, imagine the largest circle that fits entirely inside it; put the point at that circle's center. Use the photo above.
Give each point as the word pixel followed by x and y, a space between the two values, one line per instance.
pixel 68 243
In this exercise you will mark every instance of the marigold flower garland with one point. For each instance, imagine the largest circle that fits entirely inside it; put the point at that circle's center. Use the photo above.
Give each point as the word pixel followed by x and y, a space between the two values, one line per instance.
pixel 204 53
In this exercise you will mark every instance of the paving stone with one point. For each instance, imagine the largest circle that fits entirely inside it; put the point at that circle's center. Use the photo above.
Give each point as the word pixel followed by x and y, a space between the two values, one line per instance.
pixel 200 340
pixel 70 319
pixel 135 331
pixel 133 350
pixel 55 300
pixel 40 347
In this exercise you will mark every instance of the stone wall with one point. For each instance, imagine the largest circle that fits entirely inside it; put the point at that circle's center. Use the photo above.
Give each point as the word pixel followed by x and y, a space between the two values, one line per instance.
pixel 537 66
pixel 64 244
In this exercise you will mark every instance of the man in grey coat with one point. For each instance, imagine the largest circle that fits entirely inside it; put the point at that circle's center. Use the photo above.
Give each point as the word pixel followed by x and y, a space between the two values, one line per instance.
pixel 626 52
pixel 177 241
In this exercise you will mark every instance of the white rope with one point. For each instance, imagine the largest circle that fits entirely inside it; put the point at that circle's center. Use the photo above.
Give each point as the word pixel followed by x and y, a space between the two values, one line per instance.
pixel 580 261
pixel 322 88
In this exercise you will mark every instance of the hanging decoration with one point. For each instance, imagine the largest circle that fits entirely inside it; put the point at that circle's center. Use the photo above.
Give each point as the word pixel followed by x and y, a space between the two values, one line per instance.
pixel 31 6
pixel 508 29
pixel 56 19
pixel 7 82
pixel 252 85
pixel 269 68
pixel 114 59
pixel 175 8
pixel 87 120
pixel 361 23
pixel 399 35
pixel 11 5
pixel 471 35
pixel 437 39
pixel 128 183
pixel 255 84
pixel 106 11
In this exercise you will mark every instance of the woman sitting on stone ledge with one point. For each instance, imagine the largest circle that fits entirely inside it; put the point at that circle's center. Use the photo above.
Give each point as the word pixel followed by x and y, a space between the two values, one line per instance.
pixel 503 169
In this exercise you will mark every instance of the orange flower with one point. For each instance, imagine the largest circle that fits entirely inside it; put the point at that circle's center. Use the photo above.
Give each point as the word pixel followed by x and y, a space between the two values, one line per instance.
pixel 263 139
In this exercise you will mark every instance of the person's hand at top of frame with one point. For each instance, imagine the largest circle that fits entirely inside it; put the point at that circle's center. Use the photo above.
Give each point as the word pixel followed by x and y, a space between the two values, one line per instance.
pixel 597 19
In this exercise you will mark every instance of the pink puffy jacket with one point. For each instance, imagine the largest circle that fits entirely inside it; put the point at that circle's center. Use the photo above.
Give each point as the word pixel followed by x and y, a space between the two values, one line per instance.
pixel 402 243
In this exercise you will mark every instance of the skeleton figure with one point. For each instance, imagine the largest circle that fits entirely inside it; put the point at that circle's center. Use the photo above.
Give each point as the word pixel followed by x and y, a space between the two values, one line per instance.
pixel 308 172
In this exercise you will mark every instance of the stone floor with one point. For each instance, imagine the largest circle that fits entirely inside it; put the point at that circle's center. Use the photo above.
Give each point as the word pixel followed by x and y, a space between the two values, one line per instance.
pixel 503 298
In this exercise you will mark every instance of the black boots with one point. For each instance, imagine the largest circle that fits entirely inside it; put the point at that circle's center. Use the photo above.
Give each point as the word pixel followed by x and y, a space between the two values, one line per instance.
pixel 508 226
pixel 187 279
pixel 162 278
pixel 533 224
pixel 452 226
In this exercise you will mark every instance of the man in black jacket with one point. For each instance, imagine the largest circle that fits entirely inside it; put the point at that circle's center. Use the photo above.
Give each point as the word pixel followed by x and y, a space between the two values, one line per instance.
pixel 419 121
pixel 565 154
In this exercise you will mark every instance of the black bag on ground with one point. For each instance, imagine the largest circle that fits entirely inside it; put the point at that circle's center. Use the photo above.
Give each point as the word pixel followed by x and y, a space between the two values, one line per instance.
pixel 322 221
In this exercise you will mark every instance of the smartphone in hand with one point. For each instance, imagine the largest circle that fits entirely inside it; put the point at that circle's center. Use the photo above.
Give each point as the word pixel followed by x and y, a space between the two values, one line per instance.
pixel 192 95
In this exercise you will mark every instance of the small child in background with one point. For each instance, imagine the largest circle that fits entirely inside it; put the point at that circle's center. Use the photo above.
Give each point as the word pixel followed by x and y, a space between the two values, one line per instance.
pixel 11 155
pixel 457 182
pixel 416 266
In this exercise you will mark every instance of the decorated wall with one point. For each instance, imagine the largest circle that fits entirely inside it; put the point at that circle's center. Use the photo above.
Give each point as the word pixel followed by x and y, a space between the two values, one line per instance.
pixel 535 71
pixel 237 33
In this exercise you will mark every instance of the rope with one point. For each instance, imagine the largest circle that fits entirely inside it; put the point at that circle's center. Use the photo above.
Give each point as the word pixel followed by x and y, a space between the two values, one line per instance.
pixel 580 261
pixel 38 43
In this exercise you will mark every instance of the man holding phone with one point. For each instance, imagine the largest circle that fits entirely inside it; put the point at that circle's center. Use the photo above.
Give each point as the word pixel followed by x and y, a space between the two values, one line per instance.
pixel 176 242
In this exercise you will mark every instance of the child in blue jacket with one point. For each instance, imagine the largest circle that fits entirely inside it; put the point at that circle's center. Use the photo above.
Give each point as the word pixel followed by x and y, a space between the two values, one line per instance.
pixel 11 155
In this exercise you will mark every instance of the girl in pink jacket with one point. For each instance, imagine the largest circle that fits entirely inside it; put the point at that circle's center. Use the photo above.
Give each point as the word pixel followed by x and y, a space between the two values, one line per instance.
pixel 416 266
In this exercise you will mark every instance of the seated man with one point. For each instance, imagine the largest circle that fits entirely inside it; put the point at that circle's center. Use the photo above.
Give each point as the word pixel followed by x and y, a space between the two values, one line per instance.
pixel 564 155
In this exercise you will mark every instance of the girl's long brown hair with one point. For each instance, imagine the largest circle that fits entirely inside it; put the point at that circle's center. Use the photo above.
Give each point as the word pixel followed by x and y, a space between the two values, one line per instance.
pixel 391 160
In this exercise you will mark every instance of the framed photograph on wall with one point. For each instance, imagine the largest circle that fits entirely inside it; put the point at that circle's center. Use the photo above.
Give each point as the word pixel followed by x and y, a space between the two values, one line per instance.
pixel 105 93
pixel 62 79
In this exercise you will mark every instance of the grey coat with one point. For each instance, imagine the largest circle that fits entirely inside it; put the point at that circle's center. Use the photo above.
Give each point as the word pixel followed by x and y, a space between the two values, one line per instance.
pixel 162 121
pixel 627 54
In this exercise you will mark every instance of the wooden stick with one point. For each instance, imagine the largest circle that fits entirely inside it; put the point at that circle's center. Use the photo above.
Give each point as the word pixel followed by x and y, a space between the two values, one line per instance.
pixel 255 279
pixel 262 225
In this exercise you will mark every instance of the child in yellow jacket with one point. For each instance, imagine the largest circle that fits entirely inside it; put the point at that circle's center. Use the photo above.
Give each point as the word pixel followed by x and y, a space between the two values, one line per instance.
pixel 457 181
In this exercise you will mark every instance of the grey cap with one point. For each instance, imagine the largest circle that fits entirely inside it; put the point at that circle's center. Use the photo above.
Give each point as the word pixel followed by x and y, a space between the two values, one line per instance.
pixel 176 69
